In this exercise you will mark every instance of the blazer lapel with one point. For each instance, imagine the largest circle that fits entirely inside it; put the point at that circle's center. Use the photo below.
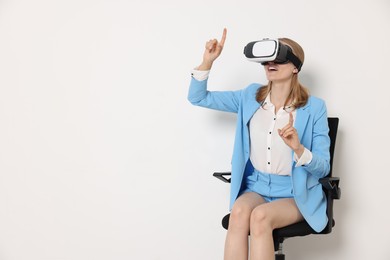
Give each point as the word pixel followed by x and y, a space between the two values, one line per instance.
pixel 301 120
pixel 251 108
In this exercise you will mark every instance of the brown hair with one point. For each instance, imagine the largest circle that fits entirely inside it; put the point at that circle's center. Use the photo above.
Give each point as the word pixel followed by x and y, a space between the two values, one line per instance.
pixel 298 94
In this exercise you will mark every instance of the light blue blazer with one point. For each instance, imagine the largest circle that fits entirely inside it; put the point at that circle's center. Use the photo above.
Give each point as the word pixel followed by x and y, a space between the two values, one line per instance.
pixel 312 126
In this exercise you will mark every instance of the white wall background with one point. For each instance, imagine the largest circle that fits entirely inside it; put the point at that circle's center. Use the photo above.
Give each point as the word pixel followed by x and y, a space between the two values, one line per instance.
pixel 102 157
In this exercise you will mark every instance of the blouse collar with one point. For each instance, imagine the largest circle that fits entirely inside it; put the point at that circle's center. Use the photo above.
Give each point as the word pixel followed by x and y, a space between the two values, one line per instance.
pixel 267 104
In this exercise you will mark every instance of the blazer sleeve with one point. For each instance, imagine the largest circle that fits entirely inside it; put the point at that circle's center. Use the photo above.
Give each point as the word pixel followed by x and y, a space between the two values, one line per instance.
pixel 227 101
pixel 320 163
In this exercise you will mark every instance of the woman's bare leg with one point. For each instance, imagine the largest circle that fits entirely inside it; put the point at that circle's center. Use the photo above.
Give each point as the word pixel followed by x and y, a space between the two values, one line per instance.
pixel 236 244
pixel 264 219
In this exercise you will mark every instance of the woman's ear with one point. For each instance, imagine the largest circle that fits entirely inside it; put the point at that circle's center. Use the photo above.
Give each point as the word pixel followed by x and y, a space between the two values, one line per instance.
pixel 295 70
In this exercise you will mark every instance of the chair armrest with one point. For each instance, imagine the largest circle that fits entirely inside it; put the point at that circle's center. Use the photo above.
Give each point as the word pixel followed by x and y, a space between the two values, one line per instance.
pixel 332 185
pixel 221 176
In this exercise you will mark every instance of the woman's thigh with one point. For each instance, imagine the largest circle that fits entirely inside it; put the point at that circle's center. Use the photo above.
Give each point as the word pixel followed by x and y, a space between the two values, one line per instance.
pixel 280 213
pixel 244 205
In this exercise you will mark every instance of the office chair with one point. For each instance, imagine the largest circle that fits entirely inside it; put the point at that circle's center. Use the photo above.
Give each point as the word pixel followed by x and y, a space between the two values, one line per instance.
pixel 332 191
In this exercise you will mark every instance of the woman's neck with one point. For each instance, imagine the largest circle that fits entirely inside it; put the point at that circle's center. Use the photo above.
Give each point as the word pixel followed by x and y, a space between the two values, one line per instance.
pixel 279 94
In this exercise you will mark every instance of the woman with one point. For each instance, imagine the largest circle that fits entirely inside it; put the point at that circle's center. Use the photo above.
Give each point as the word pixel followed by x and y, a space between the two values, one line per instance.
pixel 281 150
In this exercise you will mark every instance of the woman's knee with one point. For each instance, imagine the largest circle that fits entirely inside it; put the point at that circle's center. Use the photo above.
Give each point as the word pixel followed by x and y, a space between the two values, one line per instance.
pixel 260 221
pixel 240 216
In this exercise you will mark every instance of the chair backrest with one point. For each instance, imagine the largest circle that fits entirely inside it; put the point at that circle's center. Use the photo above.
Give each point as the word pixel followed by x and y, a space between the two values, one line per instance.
pixel 333 123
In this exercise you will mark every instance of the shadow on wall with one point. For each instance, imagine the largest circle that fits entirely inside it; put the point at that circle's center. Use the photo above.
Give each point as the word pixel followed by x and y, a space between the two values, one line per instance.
pixel 308 80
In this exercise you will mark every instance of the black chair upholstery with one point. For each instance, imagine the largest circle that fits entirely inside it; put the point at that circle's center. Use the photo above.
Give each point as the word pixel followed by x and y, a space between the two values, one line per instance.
pixel 332 191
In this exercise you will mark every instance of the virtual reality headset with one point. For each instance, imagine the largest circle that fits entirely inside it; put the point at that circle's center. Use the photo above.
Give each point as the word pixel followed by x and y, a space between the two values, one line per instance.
pixel 267 50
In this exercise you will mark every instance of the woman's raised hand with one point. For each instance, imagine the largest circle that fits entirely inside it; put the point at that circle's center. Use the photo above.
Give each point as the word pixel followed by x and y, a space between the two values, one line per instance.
pixel 212 51
pixel 290 137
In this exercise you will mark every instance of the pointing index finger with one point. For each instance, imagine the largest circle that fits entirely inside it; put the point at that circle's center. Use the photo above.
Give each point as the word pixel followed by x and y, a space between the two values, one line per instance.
pixel 291 120
pixel 222 42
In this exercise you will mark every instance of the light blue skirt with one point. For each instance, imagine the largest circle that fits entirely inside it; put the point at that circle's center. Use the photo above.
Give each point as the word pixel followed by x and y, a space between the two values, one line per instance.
pixel 270 186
